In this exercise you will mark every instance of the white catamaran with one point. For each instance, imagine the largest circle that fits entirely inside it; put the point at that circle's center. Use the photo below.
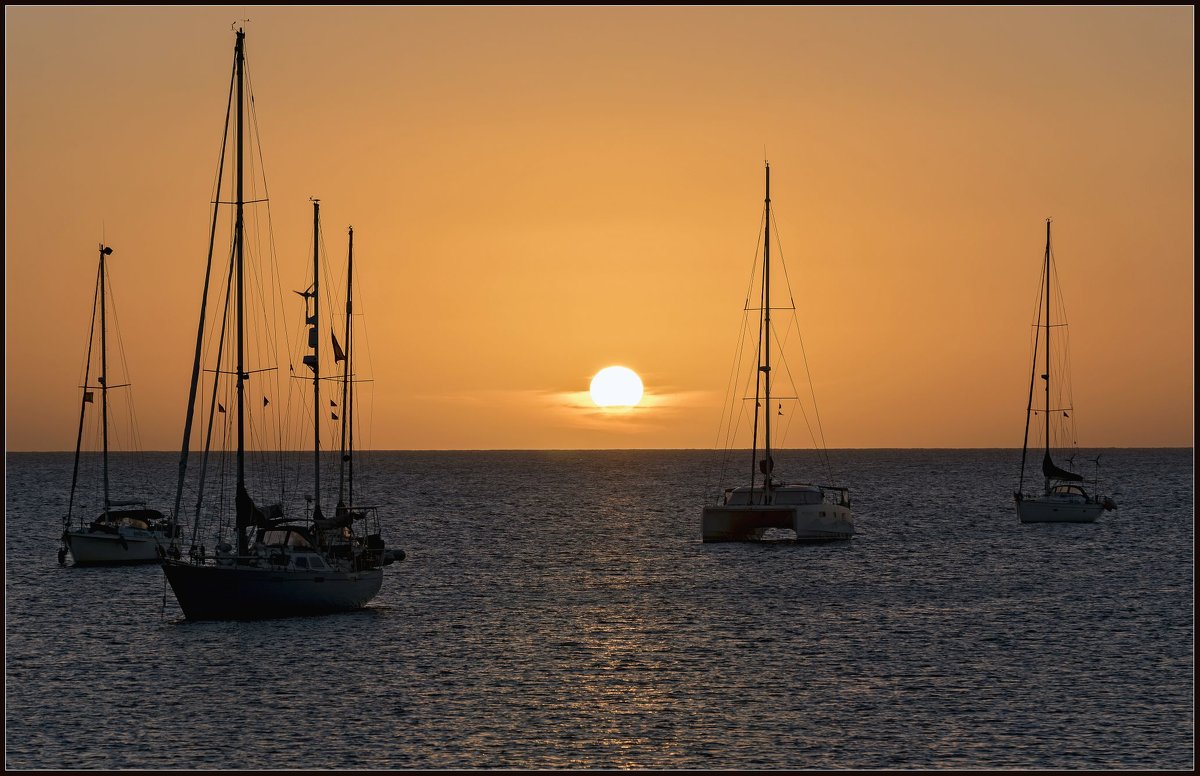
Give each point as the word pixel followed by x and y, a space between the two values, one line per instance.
pixel 1063 498
pixel 126 531
pixel 279 566
pixel 747 512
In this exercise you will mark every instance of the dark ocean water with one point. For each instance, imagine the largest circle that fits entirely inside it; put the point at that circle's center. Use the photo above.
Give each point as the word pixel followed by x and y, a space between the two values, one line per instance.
pixel 558 610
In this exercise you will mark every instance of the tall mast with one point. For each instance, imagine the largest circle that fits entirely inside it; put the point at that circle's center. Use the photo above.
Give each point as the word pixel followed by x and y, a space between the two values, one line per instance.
pixel 313 342
pixel 347 457
pixel 87 373
pixel 766 368
pixel 239 240
pixel 104 374
pixel 195 383
pixel 1047 346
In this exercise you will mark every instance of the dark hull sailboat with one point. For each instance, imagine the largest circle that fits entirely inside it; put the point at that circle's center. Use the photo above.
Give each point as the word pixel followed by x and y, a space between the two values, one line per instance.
pixel 241 591
pixel 280 567
pixel 748 512
pixel 1064 497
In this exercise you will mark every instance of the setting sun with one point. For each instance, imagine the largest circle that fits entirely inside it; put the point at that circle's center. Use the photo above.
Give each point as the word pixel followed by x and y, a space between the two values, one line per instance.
pixel 616 386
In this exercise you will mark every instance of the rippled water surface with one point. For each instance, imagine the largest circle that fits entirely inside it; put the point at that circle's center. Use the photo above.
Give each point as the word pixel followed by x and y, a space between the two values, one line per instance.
pixel 557 609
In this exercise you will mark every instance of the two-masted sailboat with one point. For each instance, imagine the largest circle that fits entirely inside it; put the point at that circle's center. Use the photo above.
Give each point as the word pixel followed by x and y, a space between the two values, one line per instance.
pixel 278 565
pixel 126 531
pixel 1064 498
pixel 746 512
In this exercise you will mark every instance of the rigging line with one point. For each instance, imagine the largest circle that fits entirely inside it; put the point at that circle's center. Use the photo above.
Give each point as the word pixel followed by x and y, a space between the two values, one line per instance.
pixel 330 307
pixel 787 367
pixel 792 299
pixel 278 306
pixel 754 264
pixel 726 406
pixel 1035 337
pixel 779 245
pixel 365 332
pixel 725 421
pixel 197 380
pixel 725 471
pixel 1065 385
pixel 725 426
pixel 213 402
pixel 796 391
pixel 787 280
pixel 734 424
pixel 816 409
pixel 116 429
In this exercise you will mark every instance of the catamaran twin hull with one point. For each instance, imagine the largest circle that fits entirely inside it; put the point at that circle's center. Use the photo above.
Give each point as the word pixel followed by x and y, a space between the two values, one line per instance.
pixel 209 592
pixel 94 548
pixel 811 522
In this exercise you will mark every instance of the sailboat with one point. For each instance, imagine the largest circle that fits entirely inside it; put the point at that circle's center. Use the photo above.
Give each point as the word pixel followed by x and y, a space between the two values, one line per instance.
pixel 1063 499
pixel 126 531
pixel 746 512
pixel 280 566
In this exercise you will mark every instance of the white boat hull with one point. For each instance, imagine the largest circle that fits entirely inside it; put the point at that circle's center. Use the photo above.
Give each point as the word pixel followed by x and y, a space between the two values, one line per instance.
pixel 1050 510
pixel 749 522
pixel 101 548
pixel 244 592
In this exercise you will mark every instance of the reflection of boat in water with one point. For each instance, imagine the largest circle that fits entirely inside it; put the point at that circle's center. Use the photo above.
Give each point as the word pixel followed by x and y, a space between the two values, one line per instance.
pixel 747 512
pixel 125 531
pixel 280 566
pixel 1064 498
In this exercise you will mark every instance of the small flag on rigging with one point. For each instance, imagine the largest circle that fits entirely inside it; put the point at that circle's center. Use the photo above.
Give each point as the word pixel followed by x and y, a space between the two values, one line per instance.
pixel 220 407
pixel 265 402
pixel 87 396
pixel 334 414
pixel 332 403
pixel 338 353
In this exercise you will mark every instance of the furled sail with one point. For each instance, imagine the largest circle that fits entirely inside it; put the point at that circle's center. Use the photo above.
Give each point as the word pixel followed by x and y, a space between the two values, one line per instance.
pixel 1052 471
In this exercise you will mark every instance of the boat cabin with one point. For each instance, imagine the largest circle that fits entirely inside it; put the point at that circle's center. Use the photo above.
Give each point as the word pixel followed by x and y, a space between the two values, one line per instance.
pixel 781 495
pixel 292 536
pixel 1073 493
pixel 141 519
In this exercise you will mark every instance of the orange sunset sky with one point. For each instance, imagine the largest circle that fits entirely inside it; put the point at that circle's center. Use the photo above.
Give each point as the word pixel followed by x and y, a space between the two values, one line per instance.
pixel 538 193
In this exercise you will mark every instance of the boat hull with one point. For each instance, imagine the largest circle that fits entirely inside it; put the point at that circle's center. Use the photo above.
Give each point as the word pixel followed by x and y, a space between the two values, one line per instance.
pixel 811 522
pixel 1034 510
pixel 210 592
pixel 97 548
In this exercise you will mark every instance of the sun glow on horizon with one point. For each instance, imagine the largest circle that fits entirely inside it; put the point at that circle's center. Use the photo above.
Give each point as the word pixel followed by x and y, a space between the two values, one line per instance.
pixel 616 386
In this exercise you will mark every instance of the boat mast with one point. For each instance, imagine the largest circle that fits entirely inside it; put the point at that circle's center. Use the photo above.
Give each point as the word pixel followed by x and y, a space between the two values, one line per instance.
pixel 87 372
pixel 347 398
pixel 194 385
pixel 1047 375
pixel 768 464
pixel 314 363
pixel 104 251
pixel 239 240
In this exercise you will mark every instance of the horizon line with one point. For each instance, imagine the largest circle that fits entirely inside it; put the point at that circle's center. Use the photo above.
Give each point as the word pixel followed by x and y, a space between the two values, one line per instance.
pixel 600 449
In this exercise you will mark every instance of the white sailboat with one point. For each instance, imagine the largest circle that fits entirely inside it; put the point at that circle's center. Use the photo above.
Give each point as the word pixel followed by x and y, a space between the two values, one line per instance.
pixel 1064 497
pixel 126 531
pixel 280 566
pixel 747 512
